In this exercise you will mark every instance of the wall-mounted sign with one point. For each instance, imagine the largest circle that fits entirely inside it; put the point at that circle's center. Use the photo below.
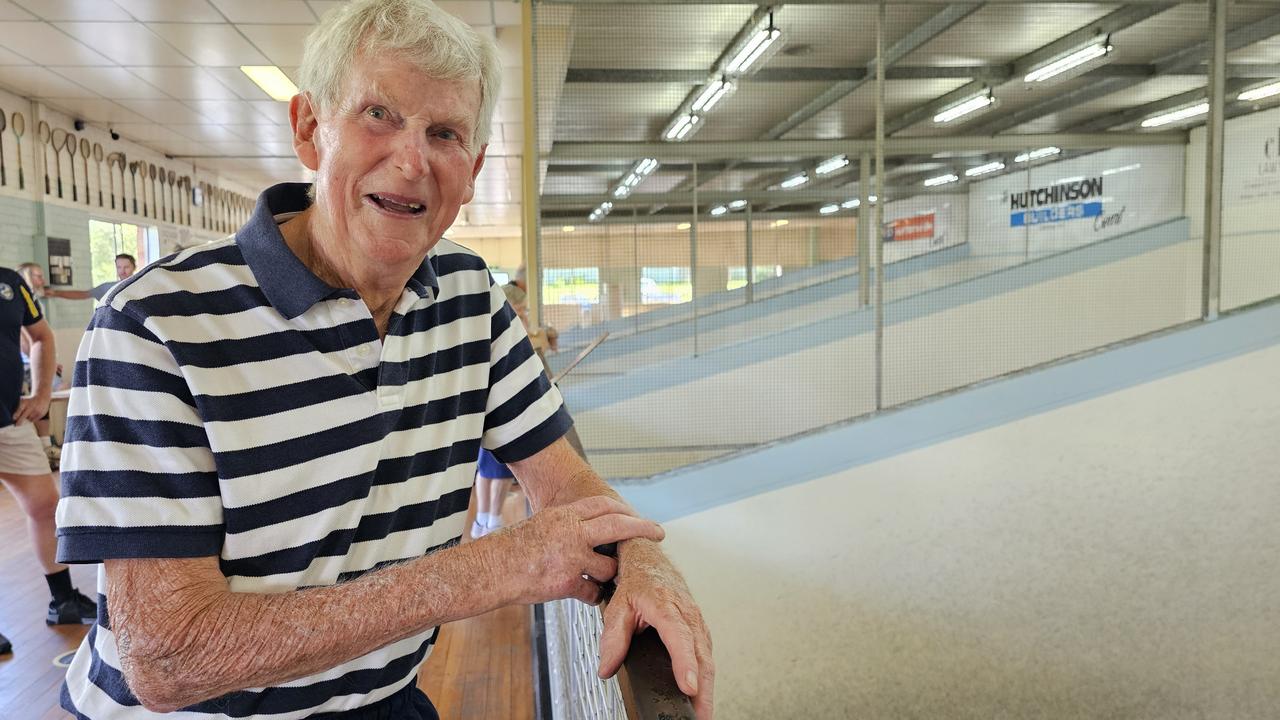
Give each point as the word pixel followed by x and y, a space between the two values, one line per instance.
pixel 915 227
pixel 59 261
pixel 1056 203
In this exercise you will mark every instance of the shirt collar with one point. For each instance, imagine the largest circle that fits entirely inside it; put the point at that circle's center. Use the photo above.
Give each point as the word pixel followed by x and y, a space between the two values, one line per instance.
pixel 289 285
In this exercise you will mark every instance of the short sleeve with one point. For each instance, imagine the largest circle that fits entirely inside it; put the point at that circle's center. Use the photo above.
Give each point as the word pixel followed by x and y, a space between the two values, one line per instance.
pixel 31 311
pixel 138 476
pixel 525 412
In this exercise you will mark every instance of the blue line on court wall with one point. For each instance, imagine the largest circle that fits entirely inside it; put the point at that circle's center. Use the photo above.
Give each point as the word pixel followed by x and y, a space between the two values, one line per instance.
pixel 996 403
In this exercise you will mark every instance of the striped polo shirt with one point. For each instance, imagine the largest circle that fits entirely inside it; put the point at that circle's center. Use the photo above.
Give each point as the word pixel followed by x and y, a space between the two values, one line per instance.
pixel 228 402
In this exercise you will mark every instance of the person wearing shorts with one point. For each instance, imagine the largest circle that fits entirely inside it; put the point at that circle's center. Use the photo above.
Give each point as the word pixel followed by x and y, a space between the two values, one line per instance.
pixel 24 468
pixel 493 480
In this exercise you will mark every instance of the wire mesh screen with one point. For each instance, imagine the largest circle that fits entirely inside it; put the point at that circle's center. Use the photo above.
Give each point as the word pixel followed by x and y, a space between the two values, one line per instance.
pixel 573 650
pixel 748 294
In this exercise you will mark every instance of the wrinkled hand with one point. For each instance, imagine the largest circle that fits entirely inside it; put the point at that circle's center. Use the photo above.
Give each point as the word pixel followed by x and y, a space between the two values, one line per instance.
pixel 548 555
pixel 650 592
pixel 31 407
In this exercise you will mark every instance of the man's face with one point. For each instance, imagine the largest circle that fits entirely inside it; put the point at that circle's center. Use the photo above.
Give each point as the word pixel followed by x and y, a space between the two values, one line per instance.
pixel 124 268
pixel 395 159
pixel 35 279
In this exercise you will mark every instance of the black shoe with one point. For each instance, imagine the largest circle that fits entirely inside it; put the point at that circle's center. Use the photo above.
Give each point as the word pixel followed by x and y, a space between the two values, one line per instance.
pixel 6 647
pixel 75 610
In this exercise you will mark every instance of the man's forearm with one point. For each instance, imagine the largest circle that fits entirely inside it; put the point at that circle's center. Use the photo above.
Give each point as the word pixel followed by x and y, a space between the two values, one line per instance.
pixel 192 639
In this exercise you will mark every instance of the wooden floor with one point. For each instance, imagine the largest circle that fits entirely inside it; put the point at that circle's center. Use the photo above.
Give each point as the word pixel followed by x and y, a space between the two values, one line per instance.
pixel 480 668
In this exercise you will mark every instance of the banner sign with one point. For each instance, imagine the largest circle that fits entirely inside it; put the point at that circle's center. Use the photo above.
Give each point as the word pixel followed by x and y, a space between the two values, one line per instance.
pixel 1054 203
pixel 916 227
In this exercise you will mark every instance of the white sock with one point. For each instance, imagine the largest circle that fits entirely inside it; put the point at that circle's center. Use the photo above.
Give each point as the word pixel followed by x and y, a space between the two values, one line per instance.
pixel 483 519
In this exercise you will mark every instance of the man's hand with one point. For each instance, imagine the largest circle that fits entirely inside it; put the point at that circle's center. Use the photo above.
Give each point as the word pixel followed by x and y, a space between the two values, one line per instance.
pixel 549 554
pixel 650 592
pixel 32 407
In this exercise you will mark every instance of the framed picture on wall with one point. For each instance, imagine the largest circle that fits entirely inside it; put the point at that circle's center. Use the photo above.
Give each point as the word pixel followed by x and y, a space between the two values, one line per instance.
pixel 59 261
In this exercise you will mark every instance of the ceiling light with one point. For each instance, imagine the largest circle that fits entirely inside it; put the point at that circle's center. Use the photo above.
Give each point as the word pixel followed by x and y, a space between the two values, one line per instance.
pixel 568 228
pixel 681 127
pixel 831 165
pixel 828 209
pixel 965 107
pixel 272 80
pixel 1260 92
pixel 984 169
pixel 645 166
pixel 871 198
pixel 712 94
pixel 1185 113
pixel 737 204
pixel 719 210
pixel 621 191
pixel 850 204
pixel 683 226
pixel 754 48
pixel 795 181
pixel 1043 152
pixel 940 180
pixel 780 223
pixel 1070 61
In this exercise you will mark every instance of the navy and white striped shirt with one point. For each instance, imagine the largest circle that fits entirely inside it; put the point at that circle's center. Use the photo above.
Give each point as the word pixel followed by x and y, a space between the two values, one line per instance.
pixel 228 402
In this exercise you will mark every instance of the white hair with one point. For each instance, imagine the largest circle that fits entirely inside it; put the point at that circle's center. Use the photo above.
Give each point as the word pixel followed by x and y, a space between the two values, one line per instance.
pixel 439 44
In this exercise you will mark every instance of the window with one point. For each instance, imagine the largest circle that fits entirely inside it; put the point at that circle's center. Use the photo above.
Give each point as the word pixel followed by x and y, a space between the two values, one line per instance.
pixel 107 239
pixel 571 286
pixel 665 285
pixel 500 277
pixel 738 275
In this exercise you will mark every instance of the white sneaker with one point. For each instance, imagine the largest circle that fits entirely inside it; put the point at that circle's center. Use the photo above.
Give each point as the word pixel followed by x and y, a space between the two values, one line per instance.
pixel 478 531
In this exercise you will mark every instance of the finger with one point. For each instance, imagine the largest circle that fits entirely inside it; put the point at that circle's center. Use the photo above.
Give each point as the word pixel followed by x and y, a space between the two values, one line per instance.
pixel 597 505
pixel 587 591
pixel 677 636
pixel 616 528
pixel 24 410
pixel 600 568
pixel 615 639
pixel 704 701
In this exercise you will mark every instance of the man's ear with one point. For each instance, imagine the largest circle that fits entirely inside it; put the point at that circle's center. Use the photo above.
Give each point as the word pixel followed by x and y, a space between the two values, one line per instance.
pixel 302 118
pixel 475 172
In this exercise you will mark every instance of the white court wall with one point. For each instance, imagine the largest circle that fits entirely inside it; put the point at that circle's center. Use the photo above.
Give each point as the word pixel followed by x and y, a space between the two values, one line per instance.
pixel 1106 559
pixel 970 338
pixel 1250 195
pixel 949 213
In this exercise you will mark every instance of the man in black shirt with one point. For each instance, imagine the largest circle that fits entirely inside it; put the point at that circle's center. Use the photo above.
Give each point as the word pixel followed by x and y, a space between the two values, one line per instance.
pixel 24 469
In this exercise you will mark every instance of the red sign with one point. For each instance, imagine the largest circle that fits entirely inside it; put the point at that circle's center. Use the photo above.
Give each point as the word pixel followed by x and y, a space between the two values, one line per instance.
pixel 916 227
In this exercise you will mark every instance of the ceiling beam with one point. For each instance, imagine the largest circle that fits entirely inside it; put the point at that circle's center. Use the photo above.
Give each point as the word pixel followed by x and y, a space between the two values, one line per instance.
pixel 1134 114
pixel 792 149
pixel 928 30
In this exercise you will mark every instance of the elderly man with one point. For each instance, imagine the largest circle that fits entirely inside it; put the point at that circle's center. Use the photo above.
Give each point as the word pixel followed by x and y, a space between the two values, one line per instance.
pixel 272 438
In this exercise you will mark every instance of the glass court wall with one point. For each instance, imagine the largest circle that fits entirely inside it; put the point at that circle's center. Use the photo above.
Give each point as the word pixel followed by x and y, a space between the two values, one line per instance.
pixel 714 196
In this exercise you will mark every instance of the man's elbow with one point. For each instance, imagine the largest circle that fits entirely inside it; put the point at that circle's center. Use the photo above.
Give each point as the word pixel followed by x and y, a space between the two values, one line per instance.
pixel 161 678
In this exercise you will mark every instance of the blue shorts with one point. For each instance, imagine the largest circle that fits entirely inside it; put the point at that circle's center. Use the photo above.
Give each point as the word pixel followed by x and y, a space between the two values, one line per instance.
pixel 491 468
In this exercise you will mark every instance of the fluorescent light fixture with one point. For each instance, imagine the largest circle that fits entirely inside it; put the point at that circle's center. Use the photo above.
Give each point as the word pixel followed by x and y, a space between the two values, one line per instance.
pixel 754 48
pixel 1260 92
pixel 941 180
pixel 719 210
pixel 795 181
pixel 831 165
pixel 681 127
pixel 990 167
pixel 828 209
pixel 1168 118
pixel 621 191
pixel 272 80
pixel 965 107
pixel 713 93
pixel 850 204
pixel 568 228
pixel 1043 152
pixel 780 223
pixel 1070 61
pixel 737 204
pixel 598 214
pixel 645 166
pixel 683 226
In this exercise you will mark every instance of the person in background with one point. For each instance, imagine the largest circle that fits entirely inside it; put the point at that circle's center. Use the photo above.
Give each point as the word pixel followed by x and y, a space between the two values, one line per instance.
pixel 34 275
pixel 24 469
pixel 126 266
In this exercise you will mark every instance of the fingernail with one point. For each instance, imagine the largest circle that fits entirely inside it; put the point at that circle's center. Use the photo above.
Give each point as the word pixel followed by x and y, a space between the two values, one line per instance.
pixel 691 679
